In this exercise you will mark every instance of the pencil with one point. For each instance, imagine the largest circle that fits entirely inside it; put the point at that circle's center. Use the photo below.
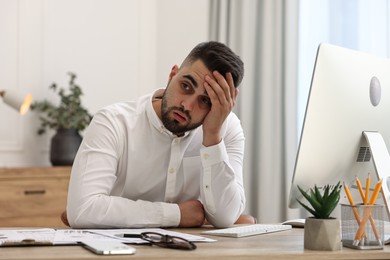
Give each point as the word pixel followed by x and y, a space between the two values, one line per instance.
pixel 367 211
pixel 367 215
pixel 374 228
pixel 367 190
pixel 352 203
pixel 360 232
pixel 374 195
pixel 359 185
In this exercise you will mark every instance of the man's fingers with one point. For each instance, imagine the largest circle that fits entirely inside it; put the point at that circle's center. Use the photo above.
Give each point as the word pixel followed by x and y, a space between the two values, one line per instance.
pixel 230 81
pixel 220 88
pixel 224 84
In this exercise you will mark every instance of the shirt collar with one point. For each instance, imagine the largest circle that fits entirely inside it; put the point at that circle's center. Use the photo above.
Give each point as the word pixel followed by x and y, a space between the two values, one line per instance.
pixel 155 120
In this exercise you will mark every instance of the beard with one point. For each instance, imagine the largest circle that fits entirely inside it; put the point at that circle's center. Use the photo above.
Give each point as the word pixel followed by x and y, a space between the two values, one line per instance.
pixel 172 124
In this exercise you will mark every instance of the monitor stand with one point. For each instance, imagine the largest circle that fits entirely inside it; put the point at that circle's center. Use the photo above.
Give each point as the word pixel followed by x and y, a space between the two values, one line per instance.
pixel 381 161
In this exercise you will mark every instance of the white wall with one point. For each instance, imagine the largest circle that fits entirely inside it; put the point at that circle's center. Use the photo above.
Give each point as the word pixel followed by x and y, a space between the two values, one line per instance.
pixel 120 49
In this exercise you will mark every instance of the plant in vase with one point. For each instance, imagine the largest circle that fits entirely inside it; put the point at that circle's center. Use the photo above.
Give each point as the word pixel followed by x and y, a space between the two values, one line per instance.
pixel 322 232
pixel 67 119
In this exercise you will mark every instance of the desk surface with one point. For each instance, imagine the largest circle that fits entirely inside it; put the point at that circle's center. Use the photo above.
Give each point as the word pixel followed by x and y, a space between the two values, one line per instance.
pixel 282 245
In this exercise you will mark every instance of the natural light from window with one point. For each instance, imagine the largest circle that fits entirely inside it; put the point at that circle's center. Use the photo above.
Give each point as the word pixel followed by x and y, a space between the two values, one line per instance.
pixel 356 24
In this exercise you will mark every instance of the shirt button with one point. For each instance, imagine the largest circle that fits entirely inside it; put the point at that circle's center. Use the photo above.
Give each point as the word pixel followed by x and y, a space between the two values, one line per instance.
pixel 172 170
pixel 206 156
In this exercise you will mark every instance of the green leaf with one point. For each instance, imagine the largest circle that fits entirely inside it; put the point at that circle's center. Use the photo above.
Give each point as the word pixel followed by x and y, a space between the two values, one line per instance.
pixel 313 212
pixel 70 112
pixel 318 194
pixel 322 205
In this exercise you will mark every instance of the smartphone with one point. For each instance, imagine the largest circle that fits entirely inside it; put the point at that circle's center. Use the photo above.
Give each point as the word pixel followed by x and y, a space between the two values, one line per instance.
pixel 108 247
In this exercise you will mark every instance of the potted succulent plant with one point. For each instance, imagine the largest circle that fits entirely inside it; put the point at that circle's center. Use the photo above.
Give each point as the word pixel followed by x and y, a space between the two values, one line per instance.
pixel 322 231
pixel 67 119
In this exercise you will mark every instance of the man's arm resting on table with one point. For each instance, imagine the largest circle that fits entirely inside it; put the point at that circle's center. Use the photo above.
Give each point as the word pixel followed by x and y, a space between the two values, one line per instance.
pixel 191 214
pixel 243 219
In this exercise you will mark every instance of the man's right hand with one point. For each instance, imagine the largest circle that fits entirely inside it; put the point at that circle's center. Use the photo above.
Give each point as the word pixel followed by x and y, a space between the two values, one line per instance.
pixel 192 214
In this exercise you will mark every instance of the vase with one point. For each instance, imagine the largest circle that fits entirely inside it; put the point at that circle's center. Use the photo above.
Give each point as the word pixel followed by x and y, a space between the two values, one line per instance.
pixel 64 146
pixel 322 234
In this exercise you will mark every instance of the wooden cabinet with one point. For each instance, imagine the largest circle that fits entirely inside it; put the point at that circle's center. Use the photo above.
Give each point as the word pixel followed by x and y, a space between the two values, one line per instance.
pixel 33 197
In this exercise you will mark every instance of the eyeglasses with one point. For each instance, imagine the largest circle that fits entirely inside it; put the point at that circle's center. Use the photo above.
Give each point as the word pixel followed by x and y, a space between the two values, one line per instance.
pixel 167 241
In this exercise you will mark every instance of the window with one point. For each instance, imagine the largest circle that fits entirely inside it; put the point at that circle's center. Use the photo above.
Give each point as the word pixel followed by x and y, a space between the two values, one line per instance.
pixel 356 24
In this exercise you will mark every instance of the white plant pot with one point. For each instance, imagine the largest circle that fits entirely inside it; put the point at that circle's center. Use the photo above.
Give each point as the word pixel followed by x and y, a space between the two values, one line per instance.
pixel 322 234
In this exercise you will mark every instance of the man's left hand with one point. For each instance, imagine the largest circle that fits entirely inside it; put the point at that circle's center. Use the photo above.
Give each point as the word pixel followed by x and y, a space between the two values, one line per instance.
pixel 223 95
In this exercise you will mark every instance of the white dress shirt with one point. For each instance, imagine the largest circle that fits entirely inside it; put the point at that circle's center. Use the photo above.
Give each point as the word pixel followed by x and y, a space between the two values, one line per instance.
pixel 131 172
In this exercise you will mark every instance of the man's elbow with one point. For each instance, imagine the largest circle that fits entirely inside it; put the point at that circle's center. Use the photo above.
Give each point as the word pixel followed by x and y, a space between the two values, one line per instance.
pixel 221 221
pixel 76 219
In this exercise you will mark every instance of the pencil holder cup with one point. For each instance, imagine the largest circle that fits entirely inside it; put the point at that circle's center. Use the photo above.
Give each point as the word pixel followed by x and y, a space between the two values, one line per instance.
pixel 362 226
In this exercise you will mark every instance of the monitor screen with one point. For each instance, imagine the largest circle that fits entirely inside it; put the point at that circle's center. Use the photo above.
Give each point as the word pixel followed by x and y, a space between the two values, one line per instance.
pixel 349 95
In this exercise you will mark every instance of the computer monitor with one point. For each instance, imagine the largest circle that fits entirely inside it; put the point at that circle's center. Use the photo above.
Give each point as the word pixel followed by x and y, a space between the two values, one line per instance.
pixel 346 130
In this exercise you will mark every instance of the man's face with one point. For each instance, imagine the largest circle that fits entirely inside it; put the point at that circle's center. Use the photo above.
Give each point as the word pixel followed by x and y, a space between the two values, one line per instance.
pixel 185 103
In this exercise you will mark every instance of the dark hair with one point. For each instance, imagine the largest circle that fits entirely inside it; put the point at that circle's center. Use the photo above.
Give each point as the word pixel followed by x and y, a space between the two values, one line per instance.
pixel 217 56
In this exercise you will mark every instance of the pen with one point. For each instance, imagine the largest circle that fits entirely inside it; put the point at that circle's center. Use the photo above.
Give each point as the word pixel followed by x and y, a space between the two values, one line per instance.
pixel 128 235
pixel 132 235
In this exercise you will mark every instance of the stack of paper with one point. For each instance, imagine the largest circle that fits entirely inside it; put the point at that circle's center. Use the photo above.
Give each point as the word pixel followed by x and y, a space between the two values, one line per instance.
pixel 48 236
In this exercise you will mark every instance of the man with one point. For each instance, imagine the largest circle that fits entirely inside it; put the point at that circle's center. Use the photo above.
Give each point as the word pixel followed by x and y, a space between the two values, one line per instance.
pixel 170 159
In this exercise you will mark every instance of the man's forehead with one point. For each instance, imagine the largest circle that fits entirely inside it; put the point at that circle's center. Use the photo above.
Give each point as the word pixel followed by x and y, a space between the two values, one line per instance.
pixel 197 69
pixel 196 72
